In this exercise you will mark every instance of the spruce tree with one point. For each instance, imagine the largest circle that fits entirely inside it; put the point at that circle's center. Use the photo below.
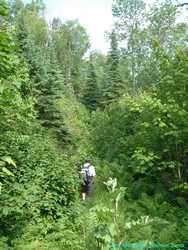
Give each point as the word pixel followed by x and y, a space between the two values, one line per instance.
pixel 113 83
pixel 50 92
pixel 44 70
pixel 91 93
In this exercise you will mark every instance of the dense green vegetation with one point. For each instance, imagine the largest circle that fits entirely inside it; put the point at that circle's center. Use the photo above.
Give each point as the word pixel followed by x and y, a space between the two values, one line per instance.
pixel 127 110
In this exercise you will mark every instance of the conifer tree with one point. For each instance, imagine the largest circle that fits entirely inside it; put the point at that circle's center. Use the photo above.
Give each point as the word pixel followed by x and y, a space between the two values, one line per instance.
pixel 91 93
pixel 50 92
pixel 113 83
pixel 47 77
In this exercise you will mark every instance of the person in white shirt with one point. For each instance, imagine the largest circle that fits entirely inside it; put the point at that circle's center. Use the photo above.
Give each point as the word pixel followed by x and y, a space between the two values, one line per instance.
pixel 87 173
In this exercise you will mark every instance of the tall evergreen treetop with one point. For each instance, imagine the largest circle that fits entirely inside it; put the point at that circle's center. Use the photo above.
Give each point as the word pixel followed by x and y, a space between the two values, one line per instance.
pixel 113 85
pixel 91 95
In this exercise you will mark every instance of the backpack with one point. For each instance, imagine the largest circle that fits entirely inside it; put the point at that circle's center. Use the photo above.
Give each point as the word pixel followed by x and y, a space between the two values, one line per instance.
pixel 85 174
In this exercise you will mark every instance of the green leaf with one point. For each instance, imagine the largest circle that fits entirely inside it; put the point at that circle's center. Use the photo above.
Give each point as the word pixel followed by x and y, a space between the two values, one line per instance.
pixel 9 160
pixel 6 171
pixel 112 229
pixel 2 163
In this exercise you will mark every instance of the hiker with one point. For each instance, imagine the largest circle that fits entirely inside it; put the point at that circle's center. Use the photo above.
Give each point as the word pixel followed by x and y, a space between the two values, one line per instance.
pixel 87 173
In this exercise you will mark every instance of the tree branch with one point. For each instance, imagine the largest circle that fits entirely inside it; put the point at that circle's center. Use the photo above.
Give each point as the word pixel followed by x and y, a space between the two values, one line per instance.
pixel 182 5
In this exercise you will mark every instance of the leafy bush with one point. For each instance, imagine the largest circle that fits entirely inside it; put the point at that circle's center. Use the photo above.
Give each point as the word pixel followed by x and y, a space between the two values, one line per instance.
pixel 147 138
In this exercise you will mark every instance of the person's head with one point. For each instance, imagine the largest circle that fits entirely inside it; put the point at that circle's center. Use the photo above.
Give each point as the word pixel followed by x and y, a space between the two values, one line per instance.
pixel 87 160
